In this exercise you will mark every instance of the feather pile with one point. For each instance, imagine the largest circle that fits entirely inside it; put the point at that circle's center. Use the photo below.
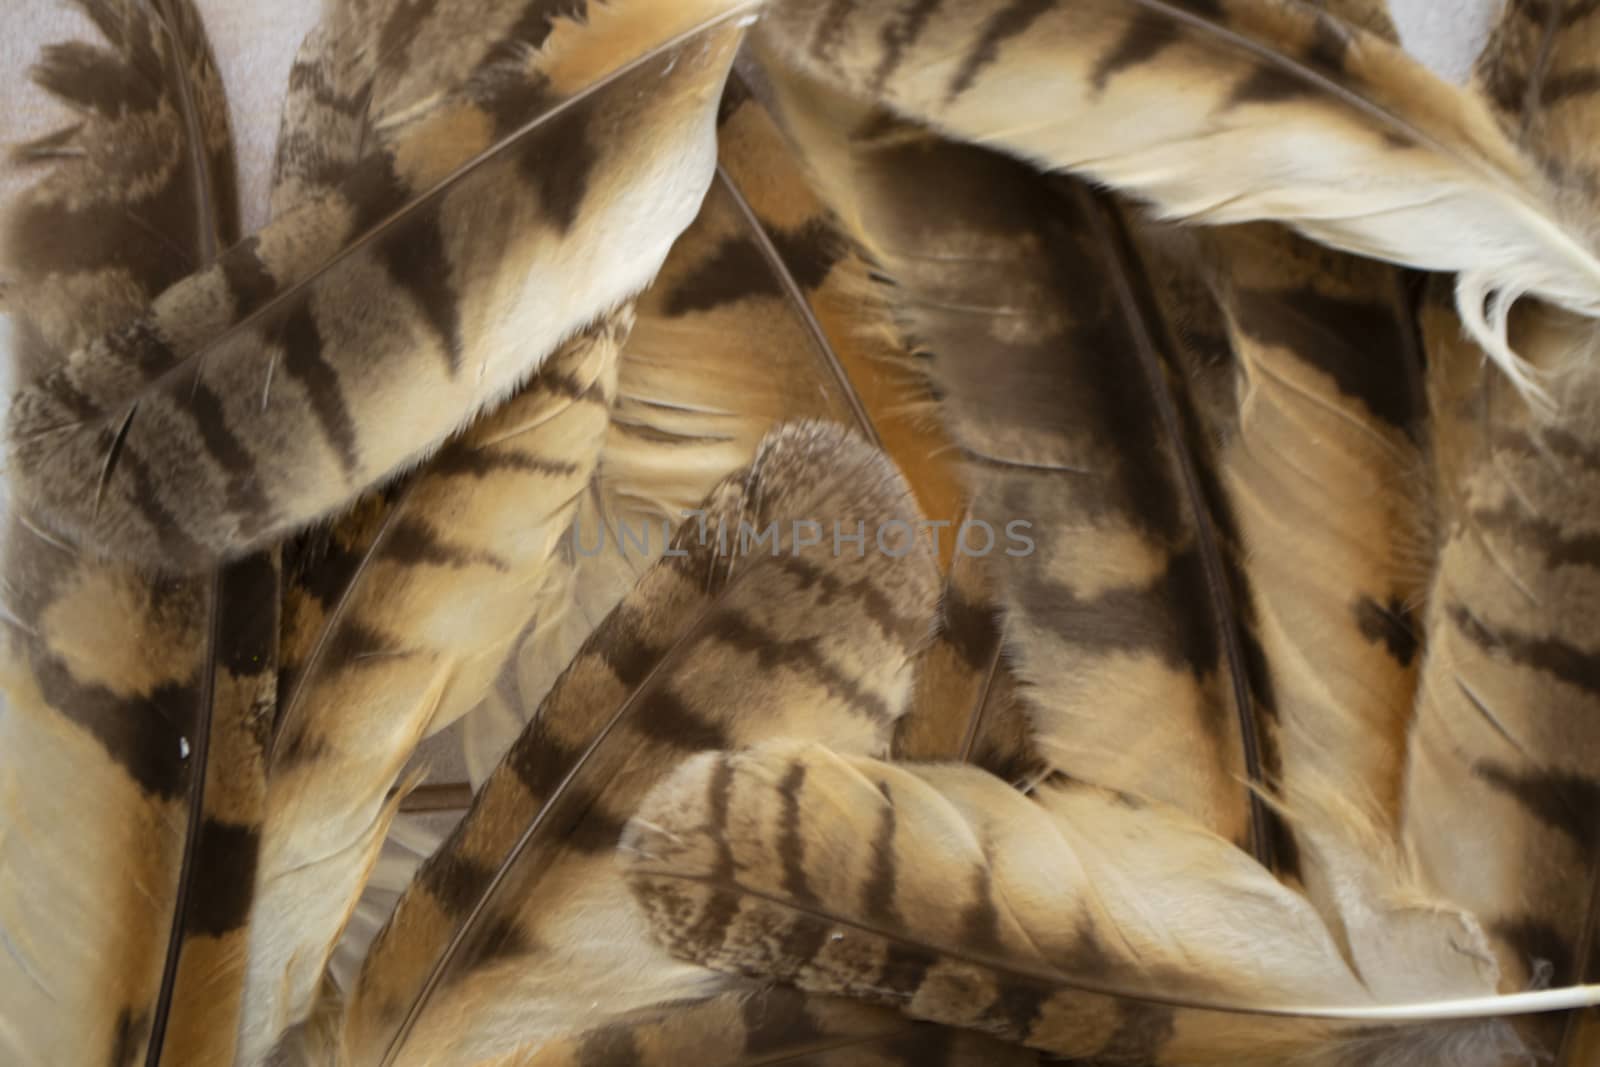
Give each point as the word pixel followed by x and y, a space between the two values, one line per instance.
pixel 843 532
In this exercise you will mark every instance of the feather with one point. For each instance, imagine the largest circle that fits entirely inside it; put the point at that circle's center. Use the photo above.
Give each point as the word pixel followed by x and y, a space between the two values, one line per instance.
pixel 263 393
pixel 517 923
pixel 1095 524
pixel 941 890
pixel 151 696
pixel 1500 801
pixel 1184 103
pixel 410 644
pixel 1325 485
pixel 761 314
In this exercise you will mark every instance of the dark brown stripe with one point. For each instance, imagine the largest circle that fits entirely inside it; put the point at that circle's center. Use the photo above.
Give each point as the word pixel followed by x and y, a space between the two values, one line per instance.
pixel 1524 529
pixel 897 37
pixel 494 940
pixel 1012 21
pixel 245 496
pixel 905 968
pixel 1566 802
pixel 413 542
pixel 1135 619
pixel 455 881
pixel 877 896
pixel 416 259
pixel 719 908
pixel 666 720
pixel 971 629
pixel 130 1038
pixel 175 543
pixel 1147 36
pixel 735 271
pixel 1358 344
pixel 1143 1030
pixel 560 159
pixel 483 462
pixel 1565 86
pixel 225 869
pixel 249 592
pixel 304 361
pixel 1553 656
pixel 406 17
pixel 804 656
pixel 830 29
pixel 791 838
pixel 1275 82
pixel 55 238
pixel 90 78
pixel 533 27
pixel 360 643
pixel 864 593
pixel 1016 1008
pixel 1389 625
pixel 540 758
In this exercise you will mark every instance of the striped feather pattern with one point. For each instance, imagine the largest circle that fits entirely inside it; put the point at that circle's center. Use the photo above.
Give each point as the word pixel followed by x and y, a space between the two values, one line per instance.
pixel 942 891
pixel 1502 754
pixel 151 696
pixel 1184 103
pixel 517 922
pixel 411 643
pixel 1101 540
pixel 270 388
pixel 762 313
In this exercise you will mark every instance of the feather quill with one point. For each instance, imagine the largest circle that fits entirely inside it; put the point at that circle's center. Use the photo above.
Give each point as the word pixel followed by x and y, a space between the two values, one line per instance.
pixel 355 333
pixel 151 696
pixel 1184 103
pixel 517 922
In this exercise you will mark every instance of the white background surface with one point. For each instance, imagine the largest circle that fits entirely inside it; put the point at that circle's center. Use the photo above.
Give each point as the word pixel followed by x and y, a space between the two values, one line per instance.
pixel 255 41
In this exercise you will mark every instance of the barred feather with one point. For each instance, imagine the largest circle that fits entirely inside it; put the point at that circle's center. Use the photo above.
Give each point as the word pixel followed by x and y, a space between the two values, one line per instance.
pixel 1500 798
pixel 942 891
pixel 353 335
pixel 1101 538
pixel 411 643
pixel 1184 103
pixel 150 696
pixel 517 923
pixel 761 314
